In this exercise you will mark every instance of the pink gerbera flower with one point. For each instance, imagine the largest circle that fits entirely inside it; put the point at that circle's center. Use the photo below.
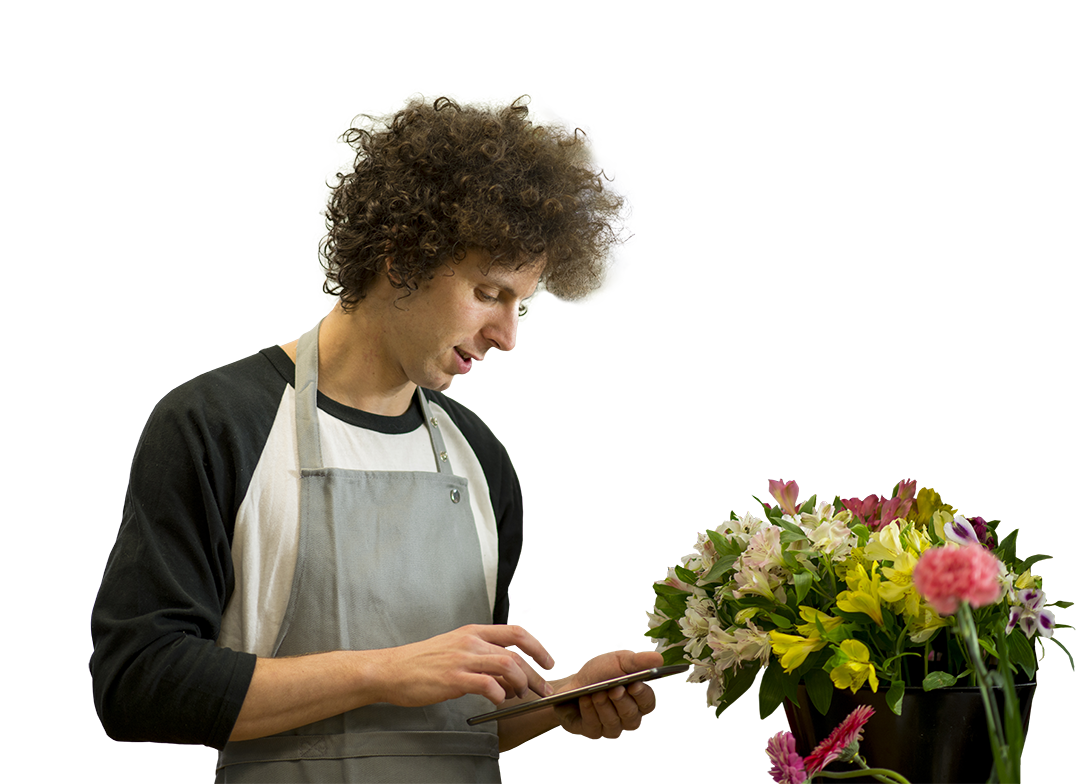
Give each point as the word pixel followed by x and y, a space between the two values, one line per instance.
pixel 845 737
pixel 787 767
pixel 947 576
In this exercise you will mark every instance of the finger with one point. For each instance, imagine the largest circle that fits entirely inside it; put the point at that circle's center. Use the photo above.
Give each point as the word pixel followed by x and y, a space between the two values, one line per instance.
pixel 644 696
pixel 506 636
pixel 590 724
pixel 628 710
pixel 607 714
pixel 635 662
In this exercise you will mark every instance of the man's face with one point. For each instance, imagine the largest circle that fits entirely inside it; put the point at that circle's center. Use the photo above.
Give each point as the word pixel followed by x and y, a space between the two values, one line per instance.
pixel 451 321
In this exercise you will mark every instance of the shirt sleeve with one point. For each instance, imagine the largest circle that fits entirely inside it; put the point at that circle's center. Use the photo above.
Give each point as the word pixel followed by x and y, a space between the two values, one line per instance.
pixel 157 673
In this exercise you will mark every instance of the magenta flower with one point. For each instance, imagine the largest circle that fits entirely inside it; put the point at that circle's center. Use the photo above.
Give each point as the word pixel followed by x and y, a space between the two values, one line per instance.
pixel 947 576
pixel 787 766
pixel 844 738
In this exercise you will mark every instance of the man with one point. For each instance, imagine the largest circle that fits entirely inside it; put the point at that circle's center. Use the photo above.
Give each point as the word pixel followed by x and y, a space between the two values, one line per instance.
pixel 312 569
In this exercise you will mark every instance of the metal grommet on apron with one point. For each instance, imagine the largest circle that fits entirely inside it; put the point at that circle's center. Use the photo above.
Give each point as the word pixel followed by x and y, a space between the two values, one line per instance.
pixel 386 558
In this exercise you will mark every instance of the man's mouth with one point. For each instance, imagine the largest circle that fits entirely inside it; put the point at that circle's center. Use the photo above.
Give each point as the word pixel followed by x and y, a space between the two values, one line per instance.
pixel 466 360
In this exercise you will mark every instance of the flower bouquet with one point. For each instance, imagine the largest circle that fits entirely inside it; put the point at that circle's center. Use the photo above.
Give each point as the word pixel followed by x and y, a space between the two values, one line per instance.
pixel 826 596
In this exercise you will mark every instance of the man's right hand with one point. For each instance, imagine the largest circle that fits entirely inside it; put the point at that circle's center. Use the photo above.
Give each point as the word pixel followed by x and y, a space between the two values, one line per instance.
pixel 289 692
pixel 469 660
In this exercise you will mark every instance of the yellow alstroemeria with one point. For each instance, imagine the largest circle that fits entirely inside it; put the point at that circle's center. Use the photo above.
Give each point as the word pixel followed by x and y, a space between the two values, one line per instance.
pixel 1025 580
pixel 863 594
pixel 812 615
pixel 898 588
pixel 923 626
pixel 793 649
pixel 915 540
pixel 856 669
pixel 886 544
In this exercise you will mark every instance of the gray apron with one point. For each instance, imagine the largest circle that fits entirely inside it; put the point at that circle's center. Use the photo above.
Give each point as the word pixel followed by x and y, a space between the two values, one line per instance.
pixel 386 558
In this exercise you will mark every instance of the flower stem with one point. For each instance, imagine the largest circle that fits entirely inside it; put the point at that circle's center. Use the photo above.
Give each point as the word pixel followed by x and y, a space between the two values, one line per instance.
pixel 881 774
pixel 967 629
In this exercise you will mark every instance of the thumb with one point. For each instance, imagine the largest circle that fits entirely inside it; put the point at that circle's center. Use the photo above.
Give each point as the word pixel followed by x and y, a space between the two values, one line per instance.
pixel 634 662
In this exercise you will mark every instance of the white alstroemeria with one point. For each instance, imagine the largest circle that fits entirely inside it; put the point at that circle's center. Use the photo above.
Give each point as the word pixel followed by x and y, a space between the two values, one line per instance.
pixel 674 581
pixel 762 582
pixel 743 528
pixel 960 530
pixel 763 550
pixel 703 672
pixel 823 513
pixel 833 538
pixel 734 646
pixel 694 623
pixel 706 554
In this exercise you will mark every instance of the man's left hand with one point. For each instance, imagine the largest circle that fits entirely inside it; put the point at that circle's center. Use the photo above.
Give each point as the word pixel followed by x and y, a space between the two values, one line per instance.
pixel 609 713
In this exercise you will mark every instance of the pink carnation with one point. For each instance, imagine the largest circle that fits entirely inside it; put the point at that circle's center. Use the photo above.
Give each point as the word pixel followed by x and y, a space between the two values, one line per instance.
pixel 948 576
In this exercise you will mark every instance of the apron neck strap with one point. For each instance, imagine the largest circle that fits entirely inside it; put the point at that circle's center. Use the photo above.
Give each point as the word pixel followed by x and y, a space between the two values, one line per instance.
pixel 306 400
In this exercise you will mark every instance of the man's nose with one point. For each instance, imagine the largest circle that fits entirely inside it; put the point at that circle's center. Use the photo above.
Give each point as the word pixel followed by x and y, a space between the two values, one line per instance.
pixel 501 331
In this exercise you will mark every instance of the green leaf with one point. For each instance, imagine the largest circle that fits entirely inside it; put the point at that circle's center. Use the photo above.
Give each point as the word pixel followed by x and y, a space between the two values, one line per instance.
pixel 1020 651
pixel 894 695
pixel 862 533
pixel 1026 564
pixel 1064 605
pixel 938 680
pixel 675 655
pixel 787 537
pixel 803 581
pixel 662 589
pixel 720 568
pixel 1005 551
pixel 685 575
pixel 773 690
pixel 722 543
pixel 787 525
pixel 988 645
pixel 819 689
pixel 1064 649
pixel 808 507
pixel 780 621
pixel 738 685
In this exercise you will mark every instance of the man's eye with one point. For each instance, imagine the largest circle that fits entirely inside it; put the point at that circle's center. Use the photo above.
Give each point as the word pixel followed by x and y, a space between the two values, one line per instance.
pixel 485 297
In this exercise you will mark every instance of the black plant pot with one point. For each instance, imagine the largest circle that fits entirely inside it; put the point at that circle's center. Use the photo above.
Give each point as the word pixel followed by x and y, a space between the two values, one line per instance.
pixel 940 736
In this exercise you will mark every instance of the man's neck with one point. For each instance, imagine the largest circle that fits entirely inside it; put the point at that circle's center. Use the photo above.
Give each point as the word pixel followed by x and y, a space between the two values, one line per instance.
pixel 351 368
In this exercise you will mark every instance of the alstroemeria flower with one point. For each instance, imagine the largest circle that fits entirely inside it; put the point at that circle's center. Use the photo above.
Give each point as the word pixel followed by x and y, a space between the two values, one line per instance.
pixel 1030 614
pixel 852 667
pixel 863 594
pixel 885 545
pixel 961 531
pixel 923 626
pixel 834 538
pixel 732 647
pixel 793 649
pixel 812 617
pixel 786 494
pixel 899 586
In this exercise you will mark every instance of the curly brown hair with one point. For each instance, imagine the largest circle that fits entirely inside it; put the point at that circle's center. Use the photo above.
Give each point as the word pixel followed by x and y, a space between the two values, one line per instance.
pixel 437 179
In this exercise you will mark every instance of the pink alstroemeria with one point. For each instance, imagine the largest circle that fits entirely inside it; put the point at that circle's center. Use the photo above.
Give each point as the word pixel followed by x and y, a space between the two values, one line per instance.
pixel 906 489
pixel 786 494
pixel 894 509
pixel 864 509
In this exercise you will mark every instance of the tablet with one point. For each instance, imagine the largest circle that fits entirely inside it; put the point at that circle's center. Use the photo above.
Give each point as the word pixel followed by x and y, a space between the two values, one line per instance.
pixel 574 694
